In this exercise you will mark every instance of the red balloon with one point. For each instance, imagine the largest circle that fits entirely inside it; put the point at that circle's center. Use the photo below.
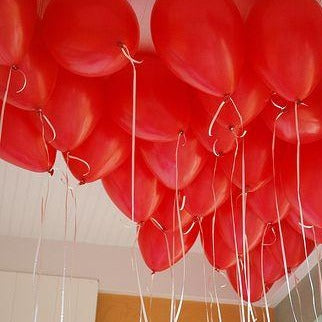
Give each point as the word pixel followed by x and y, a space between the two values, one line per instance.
pixel 255 288
pixel 310 119
pixel 88 38
pixel 258 158
pixel 310 185
pixel 40 71
pixel 222 141
pixel 22 142
pixel 293 244
pixel 254 226
pixel 201 41
pixel 285 45
pixel 163 101
pixel 148 191
pixel 250 97
pixel 273 269
pixel 161 159
pixel 295 222
pixel 166 214
pixel 104 150
pixel 216 250
pixel 208 191
pixel 160 249
pixel 262 203
pixel 18 19
pixel 74 109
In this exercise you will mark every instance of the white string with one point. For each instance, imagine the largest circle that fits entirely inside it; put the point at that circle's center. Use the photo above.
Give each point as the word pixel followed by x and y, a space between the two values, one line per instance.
pixel 279 218
pixel 127 54
pixel 72 157
pixel 136 269
pixel 50 126
pixel 239 277
pixel 4 101
pixel 181 134
pixel 299 199
pixel 204 270
pixel 214 119
pixel 24 79
pixel 262 273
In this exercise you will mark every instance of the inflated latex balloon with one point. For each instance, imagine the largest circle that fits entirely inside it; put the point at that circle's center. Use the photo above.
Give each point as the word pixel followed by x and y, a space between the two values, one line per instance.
pixel 285 45
pixel 273 269
pixel 295 221
pixel 86 36
pixel 255 290
pixel 73 110
pixel 254 226
pixel 103 151
pixel 310 185
pixel 166 215
pixel 40 71
pixel 18 19
pixel 309 115
pixel 262 203
pixel 148 191
pixel 161 160
pixel 160 249
pixel 293 245
pixel 201 42
pixel 222 140
pixel 208 191
pixel 163 101
pixel 250 97
pixel 22 143
pixel 258 158
pixel 216 250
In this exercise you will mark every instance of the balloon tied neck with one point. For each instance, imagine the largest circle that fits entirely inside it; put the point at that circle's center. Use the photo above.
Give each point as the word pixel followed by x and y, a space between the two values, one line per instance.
pixel 51 171
pixel 14 67
pixel 81 182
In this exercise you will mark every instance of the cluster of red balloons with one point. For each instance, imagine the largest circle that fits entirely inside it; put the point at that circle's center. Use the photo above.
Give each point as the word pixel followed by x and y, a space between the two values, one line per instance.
pixel 238 66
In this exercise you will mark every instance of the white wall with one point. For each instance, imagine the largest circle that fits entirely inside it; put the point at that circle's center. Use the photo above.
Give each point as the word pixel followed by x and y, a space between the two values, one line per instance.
pixel 19 296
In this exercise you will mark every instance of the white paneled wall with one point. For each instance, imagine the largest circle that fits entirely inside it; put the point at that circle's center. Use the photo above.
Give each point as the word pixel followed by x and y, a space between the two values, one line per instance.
pixel 19 297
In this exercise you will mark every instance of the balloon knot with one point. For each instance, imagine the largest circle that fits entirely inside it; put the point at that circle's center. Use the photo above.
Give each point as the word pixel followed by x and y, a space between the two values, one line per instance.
pixel 15 67
pixel 82 182
pixel 51 172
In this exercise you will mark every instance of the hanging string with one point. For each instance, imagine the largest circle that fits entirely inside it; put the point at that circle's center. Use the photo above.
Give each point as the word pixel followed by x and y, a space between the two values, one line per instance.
pixel 35 277
pixel 84 162
pixel 298 296
pixel 180 136
pixel 279 216
pixel 204 270
pixel 213 223
pixel 170 261
pixel 62 305
pixel 4 102
pixel 151 295
pixel 299 199
pixel 41 118
pixel 133 62
pixel 136 269
pixel 262 272
pixel 239 277
pixel 74 197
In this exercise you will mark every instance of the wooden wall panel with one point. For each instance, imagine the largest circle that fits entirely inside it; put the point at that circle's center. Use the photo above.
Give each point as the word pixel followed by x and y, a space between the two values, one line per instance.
pixel 119 308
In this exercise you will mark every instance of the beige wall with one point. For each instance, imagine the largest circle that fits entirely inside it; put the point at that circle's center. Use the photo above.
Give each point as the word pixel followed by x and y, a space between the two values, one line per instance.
pixel 119 308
